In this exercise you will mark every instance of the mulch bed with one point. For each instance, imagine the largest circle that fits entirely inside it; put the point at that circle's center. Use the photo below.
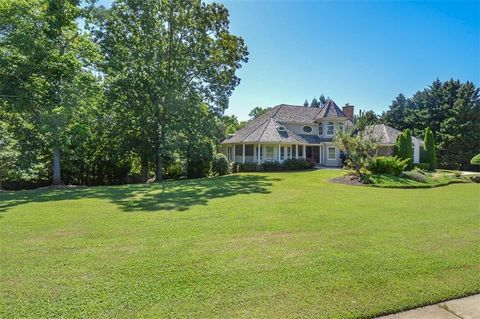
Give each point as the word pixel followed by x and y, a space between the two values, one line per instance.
pixel 348 180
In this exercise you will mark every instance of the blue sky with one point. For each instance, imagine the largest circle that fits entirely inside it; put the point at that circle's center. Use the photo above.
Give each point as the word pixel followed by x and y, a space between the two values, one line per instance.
pixel 361 52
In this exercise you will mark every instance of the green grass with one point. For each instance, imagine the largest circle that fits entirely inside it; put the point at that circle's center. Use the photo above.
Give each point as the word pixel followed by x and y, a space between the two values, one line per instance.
pixel 434 179
pixel 256 245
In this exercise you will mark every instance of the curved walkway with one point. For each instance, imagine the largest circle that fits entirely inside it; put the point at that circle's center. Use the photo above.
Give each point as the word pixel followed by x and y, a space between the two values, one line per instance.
pixel 463 308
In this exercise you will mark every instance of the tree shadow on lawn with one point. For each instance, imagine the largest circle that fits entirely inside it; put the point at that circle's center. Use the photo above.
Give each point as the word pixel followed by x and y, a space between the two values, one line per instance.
pixel 177 195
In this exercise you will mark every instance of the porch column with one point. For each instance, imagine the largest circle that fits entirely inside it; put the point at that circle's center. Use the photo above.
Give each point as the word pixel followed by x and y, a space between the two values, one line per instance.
pixel 296 151
pixel 258 153
pixel 234 154
pixel 243 153
pixel 278 155
pixel 304 151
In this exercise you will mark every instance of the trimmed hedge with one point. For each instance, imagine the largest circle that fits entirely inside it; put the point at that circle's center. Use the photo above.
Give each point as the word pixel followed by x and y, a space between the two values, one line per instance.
pixel 296 164
pixel 287 165
pixel 390 165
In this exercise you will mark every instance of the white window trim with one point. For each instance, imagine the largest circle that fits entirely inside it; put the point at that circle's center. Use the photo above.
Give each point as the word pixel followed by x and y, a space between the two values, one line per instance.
pixel 303 129
pixel 333 131
pixel 328 153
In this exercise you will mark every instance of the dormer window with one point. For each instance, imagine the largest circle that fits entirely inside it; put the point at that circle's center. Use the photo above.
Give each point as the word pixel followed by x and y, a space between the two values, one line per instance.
pixel 330 128
pixel 307 129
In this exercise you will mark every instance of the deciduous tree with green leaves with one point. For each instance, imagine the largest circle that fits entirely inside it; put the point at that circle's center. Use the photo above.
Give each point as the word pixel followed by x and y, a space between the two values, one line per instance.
pixel 46 63
pixel 171 49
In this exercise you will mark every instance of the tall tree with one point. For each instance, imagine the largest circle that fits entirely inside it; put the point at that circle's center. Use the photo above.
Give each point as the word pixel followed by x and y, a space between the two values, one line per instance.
pixel 171 49
pixel 314 103
pixel 44 62
pixel 257 111
pixel 305 103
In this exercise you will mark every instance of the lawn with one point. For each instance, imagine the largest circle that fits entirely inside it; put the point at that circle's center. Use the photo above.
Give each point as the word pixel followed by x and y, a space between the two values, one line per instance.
pixel 256 245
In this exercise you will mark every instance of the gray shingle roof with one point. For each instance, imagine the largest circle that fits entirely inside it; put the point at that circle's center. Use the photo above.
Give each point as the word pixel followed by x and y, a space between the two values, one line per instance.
pixel 265 127
pixel 384 134
pixel 330 109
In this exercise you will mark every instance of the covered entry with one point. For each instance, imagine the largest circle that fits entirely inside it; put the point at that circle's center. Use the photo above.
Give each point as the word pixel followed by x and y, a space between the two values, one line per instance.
pixel 313 152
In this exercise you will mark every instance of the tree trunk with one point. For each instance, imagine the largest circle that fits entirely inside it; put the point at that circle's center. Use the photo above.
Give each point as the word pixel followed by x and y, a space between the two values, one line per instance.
pixel 1 177
pixel 56 180
pixel 144 170
pixel 159 168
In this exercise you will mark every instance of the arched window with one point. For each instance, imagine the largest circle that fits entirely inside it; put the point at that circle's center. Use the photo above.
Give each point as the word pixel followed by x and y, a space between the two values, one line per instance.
pixel 320 129
pixel 307 129
pixel 281 128
pixel 330 128
pixel 340 126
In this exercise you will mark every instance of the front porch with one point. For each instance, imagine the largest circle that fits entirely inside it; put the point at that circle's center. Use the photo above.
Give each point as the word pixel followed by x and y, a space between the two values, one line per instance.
pixel 322 154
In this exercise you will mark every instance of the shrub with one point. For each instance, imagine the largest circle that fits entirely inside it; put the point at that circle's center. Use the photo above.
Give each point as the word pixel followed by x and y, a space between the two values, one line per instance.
pixel 391 165
pixel 246 167
pixel 430 152
pixel 403 147
pixel 475 178
pixel 422 166
pixel 296 164
pixel 174 169
pixel 475 160
pixel 271 166
pixel 416 174
pixel 220 164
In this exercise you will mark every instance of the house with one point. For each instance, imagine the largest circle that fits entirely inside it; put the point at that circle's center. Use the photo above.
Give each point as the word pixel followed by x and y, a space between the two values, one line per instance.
pixel 292 131
pixel 386 136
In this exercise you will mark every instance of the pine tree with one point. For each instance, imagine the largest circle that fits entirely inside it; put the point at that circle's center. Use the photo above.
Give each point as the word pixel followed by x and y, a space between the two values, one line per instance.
pixel 314 103
pixel 305 103
pixel 430 152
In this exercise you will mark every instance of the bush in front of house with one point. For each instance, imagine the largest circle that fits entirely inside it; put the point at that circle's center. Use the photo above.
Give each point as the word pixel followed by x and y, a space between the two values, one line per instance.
pixel 245 167
pixel 403 147
pixel 423 166
pixel 272 166
pixel 220 164
pixel 390 165
pixel 416 174
pixel 296 164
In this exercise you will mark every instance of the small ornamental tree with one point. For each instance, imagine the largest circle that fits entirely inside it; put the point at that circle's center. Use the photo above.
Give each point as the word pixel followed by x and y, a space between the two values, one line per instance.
pixel 430 152
pixel 403 147
pixel 360 151
pixel 220 164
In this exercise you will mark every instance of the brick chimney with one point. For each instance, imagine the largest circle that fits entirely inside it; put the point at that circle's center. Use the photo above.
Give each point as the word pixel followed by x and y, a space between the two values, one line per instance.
pixel 348 110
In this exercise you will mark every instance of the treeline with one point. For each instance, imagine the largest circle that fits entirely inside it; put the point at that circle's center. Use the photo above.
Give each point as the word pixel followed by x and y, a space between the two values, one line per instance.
pixel 451 109
pixel 138 90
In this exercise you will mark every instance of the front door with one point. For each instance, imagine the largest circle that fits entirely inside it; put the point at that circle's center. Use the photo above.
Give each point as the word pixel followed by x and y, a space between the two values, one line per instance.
pixel 313 152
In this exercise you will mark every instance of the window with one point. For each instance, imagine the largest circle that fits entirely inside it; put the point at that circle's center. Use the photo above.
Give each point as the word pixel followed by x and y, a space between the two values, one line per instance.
pixel 289 152
pixel 269 151
pixel 331 153
pixel 340 126
pixel 282 153
pixel 307 129
pixel 300 150
pixel 281 128
pixel 330 128
pixel 320 129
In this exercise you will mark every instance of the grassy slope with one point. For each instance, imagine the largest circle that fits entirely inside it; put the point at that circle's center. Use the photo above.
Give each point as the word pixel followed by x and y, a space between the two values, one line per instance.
pixel 250 245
